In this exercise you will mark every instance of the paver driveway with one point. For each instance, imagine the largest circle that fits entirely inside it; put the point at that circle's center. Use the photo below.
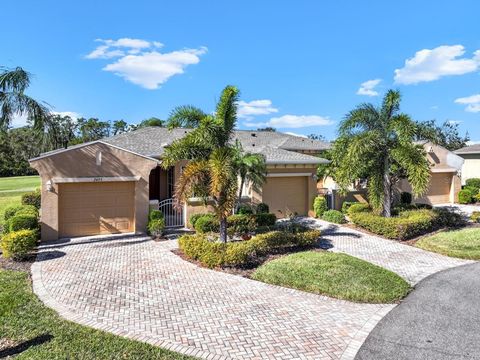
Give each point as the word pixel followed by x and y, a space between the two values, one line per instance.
pixel 138 288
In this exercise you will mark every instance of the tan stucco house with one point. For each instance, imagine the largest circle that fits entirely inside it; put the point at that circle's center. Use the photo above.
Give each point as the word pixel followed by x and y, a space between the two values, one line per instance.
pixel 108 186
pixel 471 165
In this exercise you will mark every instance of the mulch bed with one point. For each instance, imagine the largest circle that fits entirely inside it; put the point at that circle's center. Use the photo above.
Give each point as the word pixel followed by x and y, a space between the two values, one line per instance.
pixel 9 264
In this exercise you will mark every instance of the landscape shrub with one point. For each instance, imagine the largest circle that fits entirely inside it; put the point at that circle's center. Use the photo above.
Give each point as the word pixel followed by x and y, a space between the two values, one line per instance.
pixel 32 198
pixel 346 205
pixel 241 224
pixel 265 219
pixel 476 198
pixel 263 208
pixel 465 196
pixel 357 208
pixel 27 210
pixel 446 218
pixel 193 218
pixel 320 206
pixel 207 223
pixel 406 198
pixel 475 217
pixel 22 222
pixel 155 215
pixel 472 189
pixel 473 183
pixel 406 225
pixel 18 244
pixel 213 253
pixel 245 210
pixel 10 211
pixel 156 226
pixel 334 216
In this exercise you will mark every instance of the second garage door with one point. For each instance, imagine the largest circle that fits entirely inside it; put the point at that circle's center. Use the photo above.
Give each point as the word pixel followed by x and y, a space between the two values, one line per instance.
pixel 96 208
pixel 286 195
pixel 438 190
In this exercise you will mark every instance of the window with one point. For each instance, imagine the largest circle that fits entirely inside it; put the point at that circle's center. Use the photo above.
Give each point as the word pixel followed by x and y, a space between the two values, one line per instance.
pixel 98 158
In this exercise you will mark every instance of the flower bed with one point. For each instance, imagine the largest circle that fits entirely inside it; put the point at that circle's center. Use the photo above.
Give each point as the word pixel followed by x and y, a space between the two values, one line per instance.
pixel 212 253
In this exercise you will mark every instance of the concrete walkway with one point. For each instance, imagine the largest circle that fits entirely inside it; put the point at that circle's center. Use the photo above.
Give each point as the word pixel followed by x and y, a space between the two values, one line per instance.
pixel 138 288
pixel 411 263
pixel 438 321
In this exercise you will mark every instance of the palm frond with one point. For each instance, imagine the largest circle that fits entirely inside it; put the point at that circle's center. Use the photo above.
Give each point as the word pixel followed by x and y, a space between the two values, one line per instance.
pixel 413 159
pixel 185 116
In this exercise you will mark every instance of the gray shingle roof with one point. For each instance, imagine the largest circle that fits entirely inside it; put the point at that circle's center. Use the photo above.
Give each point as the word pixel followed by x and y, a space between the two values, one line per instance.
pixel 151 141
pixel 277 147
pixel 472 149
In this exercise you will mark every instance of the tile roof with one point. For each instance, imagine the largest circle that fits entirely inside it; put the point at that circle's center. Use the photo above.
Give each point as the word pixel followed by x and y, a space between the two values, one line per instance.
pixel 472 149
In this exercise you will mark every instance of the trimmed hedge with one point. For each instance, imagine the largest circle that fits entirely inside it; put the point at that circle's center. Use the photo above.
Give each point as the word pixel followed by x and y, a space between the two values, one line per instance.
pixel 238 223
pixel 245 210
pixel 465 196
pixel 263 208
pixel 207 223
pixel 155 227
pixel 22 222
pixel 214 254
pixel 407 224
pixel 475 217
pixel 346 205
pixel 358 208
pixel 10 211
pixel 32 198
pixel 319 206
pixel 334 216
pixel 18 244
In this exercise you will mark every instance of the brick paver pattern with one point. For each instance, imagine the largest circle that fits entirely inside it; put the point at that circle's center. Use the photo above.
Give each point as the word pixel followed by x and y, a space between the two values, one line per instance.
pixel 138 288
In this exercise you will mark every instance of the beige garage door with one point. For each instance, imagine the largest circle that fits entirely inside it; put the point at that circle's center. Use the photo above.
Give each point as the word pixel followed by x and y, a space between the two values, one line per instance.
pixel 286 195
pixel 96 208
pixel 439 190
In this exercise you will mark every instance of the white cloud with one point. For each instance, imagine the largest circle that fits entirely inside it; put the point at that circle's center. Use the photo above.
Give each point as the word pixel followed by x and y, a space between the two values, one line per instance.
pixel 472 102
pixel 246 110
pixel 368 87
pixel 19 121
pixel 73 115
pixel 294 121
pixel 139 61
pixel 432 64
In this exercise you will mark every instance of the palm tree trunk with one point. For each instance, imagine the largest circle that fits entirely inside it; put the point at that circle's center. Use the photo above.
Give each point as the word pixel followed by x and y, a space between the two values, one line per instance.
pixel 239 200
pixel 387 190
pixel 223 229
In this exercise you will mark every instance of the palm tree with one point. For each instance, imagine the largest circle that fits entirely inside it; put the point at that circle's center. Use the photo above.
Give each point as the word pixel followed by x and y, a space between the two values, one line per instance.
pixel 249 167
pixel 377 143
pixel 14 102
pixel 210 172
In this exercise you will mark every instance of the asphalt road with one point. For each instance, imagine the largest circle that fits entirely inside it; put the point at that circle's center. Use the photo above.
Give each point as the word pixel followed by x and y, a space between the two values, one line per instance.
pixel 440 320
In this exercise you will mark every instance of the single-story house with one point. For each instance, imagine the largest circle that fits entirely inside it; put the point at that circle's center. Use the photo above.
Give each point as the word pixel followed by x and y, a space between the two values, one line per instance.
pixel 444 184
pixel 471 165
pixel 108 186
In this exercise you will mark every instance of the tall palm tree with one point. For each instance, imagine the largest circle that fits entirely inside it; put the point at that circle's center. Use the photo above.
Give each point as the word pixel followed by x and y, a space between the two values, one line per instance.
pixel 13 100
pixel 249 166
pixel 377 143
pixel 210 172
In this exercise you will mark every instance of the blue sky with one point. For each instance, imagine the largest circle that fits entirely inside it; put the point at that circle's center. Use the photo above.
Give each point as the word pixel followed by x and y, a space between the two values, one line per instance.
pixel 300 65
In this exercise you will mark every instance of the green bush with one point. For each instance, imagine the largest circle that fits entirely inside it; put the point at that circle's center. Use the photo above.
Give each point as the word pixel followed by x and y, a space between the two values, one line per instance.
pixel 22 222
pixel 155 215
pixel 18 244
pixel 320 206
pixel 193 218
pixel 11 211
pixel 27 210
pixel 346 205
pixel 265 219
pixel 263 208
pixel 446 218
pixel 465 196
pixel 245 210
pixel 32 198
pixel 475 217
pixel 334 216
pixel 406 225
pixel 207 223
pixel 241 224
pixel 358 208
pixel 473 183
pixel 472 189
pixel 406 198
pixel 156 226
pixel 213 253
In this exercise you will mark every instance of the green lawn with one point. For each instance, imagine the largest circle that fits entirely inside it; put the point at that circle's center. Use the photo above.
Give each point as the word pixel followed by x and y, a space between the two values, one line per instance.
pixel 44 335
pixel 463 243
pixel 337 275
pixel 12 188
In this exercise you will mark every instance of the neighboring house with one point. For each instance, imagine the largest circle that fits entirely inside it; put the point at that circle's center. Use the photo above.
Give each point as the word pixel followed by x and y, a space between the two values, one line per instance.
pixel 443 187
pixel 471 165
pixel 106 186
pixel 445 182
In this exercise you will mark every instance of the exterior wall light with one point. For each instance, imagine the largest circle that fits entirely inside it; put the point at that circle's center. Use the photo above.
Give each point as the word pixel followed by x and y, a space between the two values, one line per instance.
pixel 49 186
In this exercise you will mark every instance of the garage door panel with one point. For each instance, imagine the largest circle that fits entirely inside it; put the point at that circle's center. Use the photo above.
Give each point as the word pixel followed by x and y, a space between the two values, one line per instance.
pixel 96 208
pixel 286 195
